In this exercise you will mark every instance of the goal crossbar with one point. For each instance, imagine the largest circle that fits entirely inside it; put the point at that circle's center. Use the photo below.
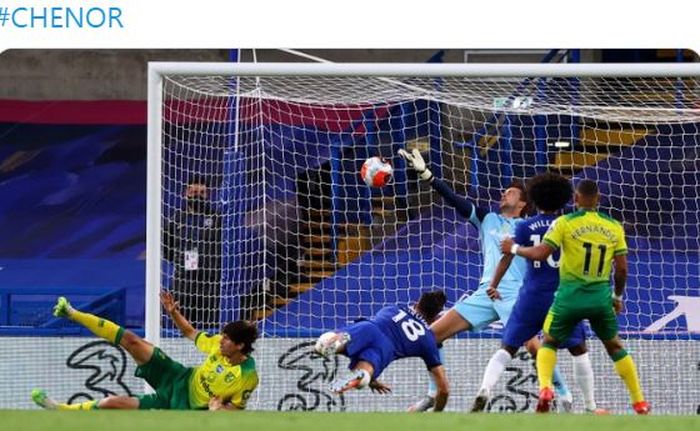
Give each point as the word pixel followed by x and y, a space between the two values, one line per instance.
pixel 430 69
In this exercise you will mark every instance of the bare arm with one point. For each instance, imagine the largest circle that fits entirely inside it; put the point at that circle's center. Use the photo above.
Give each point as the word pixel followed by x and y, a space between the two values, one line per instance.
pixel 501 269
pixel 620 278
pixel 539 252
pixel 173 309
pixel 443 389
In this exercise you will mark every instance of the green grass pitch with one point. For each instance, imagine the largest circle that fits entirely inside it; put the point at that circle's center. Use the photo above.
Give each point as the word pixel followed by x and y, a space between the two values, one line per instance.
pixel 273 421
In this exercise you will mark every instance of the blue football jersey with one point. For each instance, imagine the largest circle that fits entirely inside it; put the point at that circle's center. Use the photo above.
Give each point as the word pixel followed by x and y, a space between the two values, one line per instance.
pixel 409 334
pixel 541 276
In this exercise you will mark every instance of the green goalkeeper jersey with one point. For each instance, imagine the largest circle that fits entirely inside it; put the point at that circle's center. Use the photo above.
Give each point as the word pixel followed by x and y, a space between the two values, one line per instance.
pixel 588 241
pixel 217 377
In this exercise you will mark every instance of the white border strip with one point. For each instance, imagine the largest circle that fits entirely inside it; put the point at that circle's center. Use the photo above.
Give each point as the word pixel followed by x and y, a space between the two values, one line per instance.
pixel 153 207
pixel 567 70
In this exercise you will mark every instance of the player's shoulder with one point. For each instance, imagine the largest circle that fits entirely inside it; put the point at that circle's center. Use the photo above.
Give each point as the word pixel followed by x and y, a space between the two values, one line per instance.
pixel 573 216
pixel 386 312
pixel 608 218
pixel 524 227
pixel 538 219
pixel 569 220
pixel 388 309
pixel 205 337
pixel 491 217
pixel 558 222
pixel 521 224
pixel 248 366
pixel 493 220
pixel 429 340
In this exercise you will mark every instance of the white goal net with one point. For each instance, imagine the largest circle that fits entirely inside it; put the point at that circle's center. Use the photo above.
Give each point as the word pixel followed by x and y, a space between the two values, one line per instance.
pixel 257 211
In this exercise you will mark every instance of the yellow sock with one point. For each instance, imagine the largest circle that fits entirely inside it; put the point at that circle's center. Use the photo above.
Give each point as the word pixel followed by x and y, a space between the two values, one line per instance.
pixel 546 360
pixel 87 405
pixel 628 371
pixel 103 328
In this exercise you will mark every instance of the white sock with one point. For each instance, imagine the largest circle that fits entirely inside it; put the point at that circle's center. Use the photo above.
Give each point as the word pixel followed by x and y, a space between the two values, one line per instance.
pixel 494 369
pixel 432 386
pixel 583 373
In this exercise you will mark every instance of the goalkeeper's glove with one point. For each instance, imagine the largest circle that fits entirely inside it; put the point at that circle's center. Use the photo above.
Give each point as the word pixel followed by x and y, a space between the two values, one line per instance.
pixel 415 160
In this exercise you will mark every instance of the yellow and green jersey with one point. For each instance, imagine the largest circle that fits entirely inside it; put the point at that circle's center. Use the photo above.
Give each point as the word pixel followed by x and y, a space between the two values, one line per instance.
pixel 216 377
pixel 588 241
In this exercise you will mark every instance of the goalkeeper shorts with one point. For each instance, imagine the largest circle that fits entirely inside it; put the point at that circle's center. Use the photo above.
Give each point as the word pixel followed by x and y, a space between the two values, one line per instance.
pixel 480 310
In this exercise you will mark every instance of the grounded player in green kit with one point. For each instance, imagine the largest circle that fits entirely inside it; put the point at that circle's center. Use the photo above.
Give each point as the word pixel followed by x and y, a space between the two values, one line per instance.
pixel 591 243
pixel 223 380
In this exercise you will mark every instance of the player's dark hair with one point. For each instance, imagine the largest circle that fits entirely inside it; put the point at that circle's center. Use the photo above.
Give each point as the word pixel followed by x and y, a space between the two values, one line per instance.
pixel 587 188
pixel 549 192
pixel 430 304
pixel 242 331
pixel 517 184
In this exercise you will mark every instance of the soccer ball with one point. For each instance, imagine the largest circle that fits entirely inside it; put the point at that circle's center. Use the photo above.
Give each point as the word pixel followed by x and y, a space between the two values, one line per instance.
pixel 376 172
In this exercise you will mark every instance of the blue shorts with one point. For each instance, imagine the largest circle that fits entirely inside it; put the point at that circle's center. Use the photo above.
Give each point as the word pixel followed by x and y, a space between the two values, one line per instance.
pixel 479 310
pixel 527 319
pixel 368 343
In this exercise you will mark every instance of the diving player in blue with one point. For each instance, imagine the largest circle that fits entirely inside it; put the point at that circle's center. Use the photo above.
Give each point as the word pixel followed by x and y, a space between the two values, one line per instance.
pixel 393 333
pixel 550 193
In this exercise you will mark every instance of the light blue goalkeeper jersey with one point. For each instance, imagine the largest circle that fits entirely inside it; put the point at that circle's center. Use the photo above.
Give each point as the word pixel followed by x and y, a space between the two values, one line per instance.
pixel 493 228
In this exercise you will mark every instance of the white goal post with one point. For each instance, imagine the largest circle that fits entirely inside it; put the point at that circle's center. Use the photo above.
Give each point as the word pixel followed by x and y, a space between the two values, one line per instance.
pixel 277 145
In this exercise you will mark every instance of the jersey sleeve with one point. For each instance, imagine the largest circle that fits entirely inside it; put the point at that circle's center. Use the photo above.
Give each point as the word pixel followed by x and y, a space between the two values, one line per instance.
pixel 520 235
pixel 205 342
pixel 240 398
pixel 464 206
pixel 621 246
pixel 431 355
pixel 555 234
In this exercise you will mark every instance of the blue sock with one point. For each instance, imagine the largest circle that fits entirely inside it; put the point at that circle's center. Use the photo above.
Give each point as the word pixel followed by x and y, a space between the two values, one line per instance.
pixel 559 383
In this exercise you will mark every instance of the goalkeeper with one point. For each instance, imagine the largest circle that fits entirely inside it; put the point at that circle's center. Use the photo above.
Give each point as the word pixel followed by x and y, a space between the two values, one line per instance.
pixel 223 382
pixel 476 311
